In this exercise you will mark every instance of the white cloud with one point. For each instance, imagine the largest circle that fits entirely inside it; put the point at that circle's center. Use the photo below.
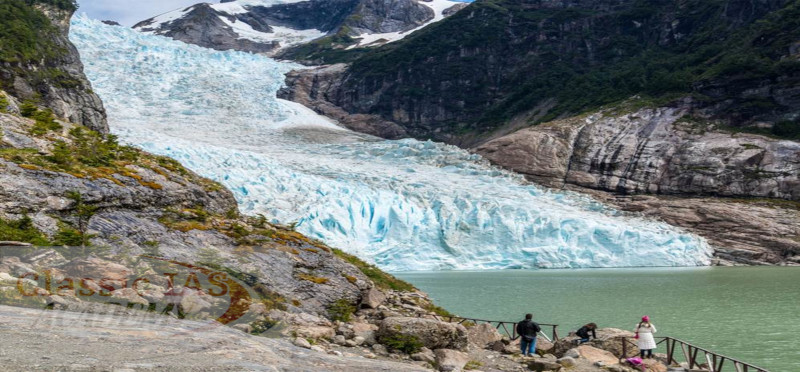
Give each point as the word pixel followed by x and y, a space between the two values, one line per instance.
pixel 128 12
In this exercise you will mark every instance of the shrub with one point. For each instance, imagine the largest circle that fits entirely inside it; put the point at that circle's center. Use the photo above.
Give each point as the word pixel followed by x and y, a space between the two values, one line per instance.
pixel 408 344
pixel 151 248
pixel 787 129
pixel 472 364
pixel 341 310
pixel 262 325
pixel 312 278
pixel 430 307
pixel 44 119
pixel 209 257
pixel 22 230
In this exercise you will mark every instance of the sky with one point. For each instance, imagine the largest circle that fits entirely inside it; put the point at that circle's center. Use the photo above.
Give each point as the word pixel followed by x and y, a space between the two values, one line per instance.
pixel 129 12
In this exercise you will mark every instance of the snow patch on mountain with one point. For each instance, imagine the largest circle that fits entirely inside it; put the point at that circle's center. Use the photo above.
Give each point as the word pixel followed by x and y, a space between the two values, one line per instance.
pixel 241 6
pixel 404 205
pixel 284 35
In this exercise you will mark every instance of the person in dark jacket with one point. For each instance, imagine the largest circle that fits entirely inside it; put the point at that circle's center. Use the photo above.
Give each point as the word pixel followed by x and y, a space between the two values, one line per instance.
pixel 583 332
pixel 527 330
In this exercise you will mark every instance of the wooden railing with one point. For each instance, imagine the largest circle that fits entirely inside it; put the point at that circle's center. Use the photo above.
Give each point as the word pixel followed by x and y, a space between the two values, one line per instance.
pixel 507 328
pixel 710 361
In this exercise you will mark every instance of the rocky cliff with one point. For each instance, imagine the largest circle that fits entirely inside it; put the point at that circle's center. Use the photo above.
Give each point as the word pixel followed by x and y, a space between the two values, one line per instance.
pixel 651 151
pixel 39 64
pixel 500 65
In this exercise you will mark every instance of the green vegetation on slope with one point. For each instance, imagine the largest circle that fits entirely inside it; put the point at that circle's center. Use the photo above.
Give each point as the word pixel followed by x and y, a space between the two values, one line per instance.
pixel 327 50
pixel 25 33
pixel 30 45
pixel 500 58
pixel 380 278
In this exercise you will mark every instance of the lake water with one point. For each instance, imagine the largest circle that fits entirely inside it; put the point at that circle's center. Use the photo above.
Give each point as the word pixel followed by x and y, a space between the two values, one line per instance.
pixel 749 313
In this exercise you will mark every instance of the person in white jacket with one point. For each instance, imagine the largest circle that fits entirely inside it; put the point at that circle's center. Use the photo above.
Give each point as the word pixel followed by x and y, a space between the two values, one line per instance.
pixel 644 337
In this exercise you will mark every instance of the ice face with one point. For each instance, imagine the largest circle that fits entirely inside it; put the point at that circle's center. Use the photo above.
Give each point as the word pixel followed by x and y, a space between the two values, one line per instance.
pixel 404 205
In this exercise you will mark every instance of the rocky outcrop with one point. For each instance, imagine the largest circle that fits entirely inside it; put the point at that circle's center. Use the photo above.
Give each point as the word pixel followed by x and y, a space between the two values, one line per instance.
pixel 451 360
pixel 314 87
pixel 53 76
pixel 607 345
pixel 483 335
pixel 650 151
pixel 158 205
pixel 204 26
pixel 663 151
pixel 431 333
pixel 380 16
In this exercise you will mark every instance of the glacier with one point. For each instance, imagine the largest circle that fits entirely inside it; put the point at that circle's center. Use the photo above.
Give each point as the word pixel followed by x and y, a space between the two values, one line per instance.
pixel 402 205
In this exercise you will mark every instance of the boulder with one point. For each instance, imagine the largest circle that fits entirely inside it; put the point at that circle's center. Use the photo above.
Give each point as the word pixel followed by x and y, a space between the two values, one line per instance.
pixel 573 353
pixel 431 333
pixel 482 335
pixel 595 355
pixel 13 266
pixel 339 340
pixel 301 342
pixel 345 330
pixel 497 346
pixel 97 269
pixel 451 360
pixel 128 297
pixel 244 327
pixel 380 349
pixel 314 332
pixel 424 355
pixel 44 258
pixel 609 339
pixel 372 298
pixel 566 361
pixel 653 365
pixel 541 365
pixel 544 344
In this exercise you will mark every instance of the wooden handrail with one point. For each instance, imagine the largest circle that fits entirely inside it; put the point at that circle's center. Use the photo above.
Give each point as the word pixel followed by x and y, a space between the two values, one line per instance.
pixel 713 361
pixel 509 328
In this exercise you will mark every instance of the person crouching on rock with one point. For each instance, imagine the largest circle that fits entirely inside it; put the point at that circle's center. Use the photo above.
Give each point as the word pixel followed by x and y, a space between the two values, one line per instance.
pixel 583 332
pixel 527 331
pixel 644 337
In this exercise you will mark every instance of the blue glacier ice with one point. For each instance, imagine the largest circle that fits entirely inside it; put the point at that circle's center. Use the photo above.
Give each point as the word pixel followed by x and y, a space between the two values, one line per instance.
pixel 404 205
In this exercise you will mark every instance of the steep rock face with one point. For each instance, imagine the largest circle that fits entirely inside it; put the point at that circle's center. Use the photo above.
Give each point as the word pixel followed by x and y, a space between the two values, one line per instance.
pixel 501 63
pixel 656 151
pixel 49 70
pixel 311 87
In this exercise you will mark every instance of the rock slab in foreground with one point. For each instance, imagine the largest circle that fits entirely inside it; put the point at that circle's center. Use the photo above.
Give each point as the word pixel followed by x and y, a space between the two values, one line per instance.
pixel 59 340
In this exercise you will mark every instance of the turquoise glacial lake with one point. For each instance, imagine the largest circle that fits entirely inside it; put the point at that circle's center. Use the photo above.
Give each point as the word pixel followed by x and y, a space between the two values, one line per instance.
pixel 748 313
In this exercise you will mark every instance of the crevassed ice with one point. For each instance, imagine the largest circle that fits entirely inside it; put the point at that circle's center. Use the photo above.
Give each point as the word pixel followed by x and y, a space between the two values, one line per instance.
pixel 404 205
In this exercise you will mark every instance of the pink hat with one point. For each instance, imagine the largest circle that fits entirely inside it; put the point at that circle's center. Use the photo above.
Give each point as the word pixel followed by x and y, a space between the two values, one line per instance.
pixel 645 318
